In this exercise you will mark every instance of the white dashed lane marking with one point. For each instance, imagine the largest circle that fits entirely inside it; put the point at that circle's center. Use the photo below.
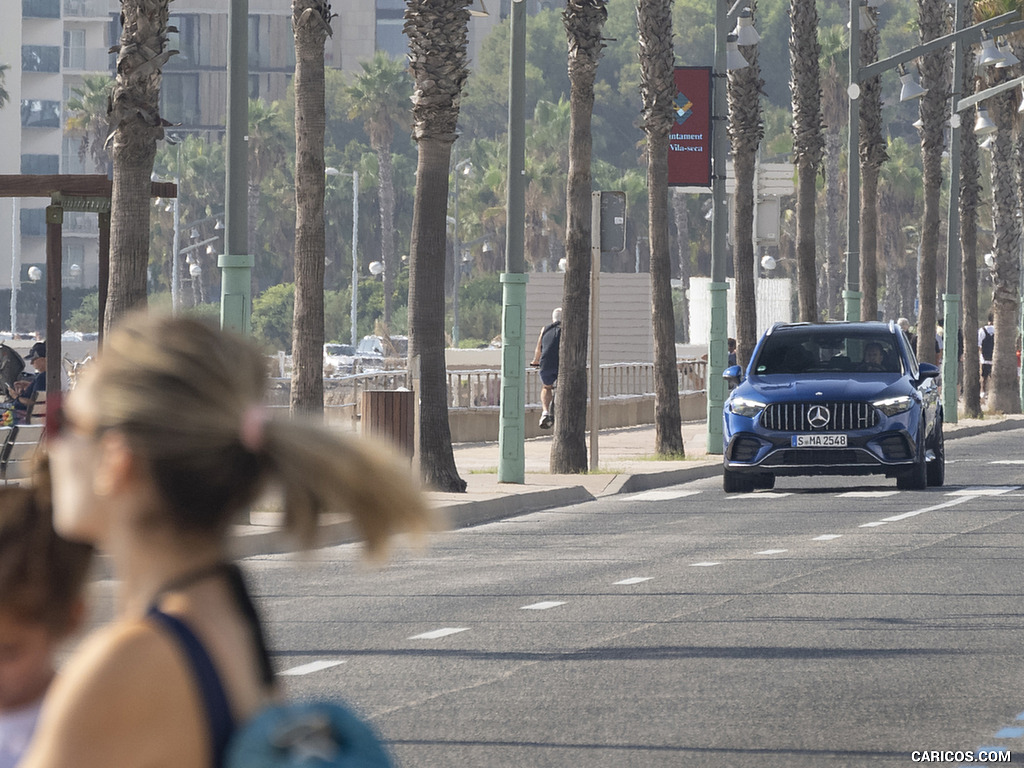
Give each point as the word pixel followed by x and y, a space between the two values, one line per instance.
pixel 543 606
pixel 827 537
pixel 867 494
pixel 436 633
pixel 632 580
pixel 313 666
pixel 662 495
pixel 771 551
pixel 705 564
pixel 992 490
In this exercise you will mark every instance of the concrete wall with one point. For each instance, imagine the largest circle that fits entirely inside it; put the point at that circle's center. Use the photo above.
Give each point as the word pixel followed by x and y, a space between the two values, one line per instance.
pixel 625 314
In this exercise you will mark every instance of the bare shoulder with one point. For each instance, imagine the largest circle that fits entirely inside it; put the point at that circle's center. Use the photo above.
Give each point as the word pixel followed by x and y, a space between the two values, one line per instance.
pixel 125 698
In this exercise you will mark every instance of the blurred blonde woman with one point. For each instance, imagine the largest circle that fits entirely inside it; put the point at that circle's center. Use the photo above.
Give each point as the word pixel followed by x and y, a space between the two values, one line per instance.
pixel 164 441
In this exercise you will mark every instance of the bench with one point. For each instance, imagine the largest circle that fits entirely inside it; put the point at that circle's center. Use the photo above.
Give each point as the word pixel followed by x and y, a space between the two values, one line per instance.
pixel 18 446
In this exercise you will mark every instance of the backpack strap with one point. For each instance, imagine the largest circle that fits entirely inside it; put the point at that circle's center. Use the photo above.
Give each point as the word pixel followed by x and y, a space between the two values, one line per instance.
pixel 215 700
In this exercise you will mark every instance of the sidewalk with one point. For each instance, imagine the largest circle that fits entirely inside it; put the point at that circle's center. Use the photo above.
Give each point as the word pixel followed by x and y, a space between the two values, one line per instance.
pixel 626 465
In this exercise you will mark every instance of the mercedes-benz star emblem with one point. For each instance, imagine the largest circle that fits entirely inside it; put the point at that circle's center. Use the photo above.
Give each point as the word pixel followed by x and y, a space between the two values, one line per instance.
pixel 818 416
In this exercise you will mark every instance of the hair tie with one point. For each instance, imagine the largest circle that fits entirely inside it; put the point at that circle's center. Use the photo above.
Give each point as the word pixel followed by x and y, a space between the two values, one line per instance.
pixel 252 433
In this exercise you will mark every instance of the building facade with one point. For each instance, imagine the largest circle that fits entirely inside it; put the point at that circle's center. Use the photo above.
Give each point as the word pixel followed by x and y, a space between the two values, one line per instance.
pixel 54 44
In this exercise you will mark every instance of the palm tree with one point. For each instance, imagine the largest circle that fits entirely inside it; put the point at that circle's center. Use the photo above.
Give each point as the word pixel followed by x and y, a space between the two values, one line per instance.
pixel 437 32
pixel 657 88
pixel 872 156
pixel 268 140
pixel 134 117
pixel 970 202
pixel 1004 395
pixel 746 129
pixel 87 119
pixel 311 24
pixel 932 18
pixel 808 144
pixel 380 98
pixel 583 21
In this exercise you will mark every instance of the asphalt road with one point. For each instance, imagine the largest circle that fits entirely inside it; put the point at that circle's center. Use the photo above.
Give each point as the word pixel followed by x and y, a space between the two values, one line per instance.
pixel 830 622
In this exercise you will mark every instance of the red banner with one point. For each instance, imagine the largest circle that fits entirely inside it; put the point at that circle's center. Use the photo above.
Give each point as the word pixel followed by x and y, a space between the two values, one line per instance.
pixel 689 140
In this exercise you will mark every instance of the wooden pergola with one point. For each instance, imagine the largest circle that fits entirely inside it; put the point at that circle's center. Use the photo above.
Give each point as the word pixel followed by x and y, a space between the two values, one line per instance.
pixel 88 193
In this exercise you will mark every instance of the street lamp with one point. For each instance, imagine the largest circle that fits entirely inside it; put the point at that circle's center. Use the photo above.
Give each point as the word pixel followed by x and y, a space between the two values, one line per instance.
pixel 329 171
pixel 462 168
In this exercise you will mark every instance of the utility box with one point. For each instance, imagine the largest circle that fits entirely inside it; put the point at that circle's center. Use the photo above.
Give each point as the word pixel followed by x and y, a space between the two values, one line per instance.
pixel 389 414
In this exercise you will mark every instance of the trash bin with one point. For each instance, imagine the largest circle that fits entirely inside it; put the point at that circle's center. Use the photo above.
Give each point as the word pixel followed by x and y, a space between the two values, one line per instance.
pixel 389 415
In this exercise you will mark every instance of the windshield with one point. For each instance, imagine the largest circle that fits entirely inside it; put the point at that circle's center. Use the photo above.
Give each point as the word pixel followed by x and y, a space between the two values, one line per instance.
pixel 832 350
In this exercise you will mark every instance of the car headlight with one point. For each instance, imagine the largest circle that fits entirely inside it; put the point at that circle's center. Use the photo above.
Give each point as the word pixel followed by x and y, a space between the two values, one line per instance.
pixel 890 406
pixel 741 406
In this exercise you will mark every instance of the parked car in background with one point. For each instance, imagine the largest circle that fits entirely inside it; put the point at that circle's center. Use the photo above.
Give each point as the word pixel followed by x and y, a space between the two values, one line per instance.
pixel 339 359
pixel 833 399
pixel 375 353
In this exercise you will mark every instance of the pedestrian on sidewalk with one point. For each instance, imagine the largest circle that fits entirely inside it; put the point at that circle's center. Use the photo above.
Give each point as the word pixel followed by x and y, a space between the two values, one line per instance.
pixel 986 345
pixel 153 464
pixel 546 356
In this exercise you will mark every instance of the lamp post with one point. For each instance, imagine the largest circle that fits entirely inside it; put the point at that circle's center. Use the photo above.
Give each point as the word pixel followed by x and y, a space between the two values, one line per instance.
pixel 999 25
pixel 726 57
pixel 355 245
pixel 236 262
pixel 462 168
pixel 512 420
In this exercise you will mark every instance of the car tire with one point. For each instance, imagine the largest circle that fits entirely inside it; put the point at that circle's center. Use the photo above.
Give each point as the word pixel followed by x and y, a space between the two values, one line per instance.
pixel 736 482
pixel 937 466
pixel 916 477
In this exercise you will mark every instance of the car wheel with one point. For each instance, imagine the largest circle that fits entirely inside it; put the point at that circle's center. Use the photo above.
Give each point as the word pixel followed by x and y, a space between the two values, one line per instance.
pixel 937 466
pixel 916 477
pixel 736 482
pixel 765 482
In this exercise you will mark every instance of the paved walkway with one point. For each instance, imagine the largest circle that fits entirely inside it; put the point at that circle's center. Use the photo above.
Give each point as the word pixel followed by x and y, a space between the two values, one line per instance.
pixel 627 465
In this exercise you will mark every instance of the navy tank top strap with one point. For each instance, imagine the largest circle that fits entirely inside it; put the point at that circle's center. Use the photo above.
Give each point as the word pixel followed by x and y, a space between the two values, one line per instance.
pixel 215 700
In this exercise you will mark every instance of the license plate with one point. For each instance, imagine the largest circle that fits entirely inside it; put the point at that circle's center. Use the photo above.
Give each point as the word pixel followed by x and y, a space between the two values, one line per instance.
pixel 819 441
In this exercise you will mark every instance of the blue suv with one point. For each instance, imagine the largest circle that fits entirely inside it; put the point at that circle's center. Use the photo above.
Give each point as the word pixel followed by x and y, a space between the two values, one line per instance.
pixel 833 399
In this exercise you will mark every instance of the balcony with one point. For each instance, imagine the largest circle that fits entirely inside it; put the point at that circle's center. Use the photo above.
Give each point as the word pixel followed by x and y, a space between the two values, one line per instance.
pixel 87 60
pixel 40 9
pixel 38 113
pixel 85 9
pixel 40 58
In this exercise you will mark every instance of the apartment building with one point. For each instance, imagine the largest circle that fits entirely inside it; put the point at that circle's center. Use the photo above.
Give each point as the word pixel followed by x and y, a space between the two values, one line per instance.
pixel 54 44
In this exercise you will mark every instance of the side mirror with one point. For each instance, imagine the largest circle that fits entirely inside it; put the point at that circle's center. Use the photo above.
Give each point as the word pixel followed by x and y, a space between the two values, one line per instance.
pixel 733 374
pixel 928 371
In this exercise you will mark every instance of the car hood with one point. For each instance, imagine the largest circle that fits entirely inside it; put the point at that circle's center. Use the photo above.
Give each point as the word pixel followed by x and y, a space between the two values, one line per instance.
pixel 824 387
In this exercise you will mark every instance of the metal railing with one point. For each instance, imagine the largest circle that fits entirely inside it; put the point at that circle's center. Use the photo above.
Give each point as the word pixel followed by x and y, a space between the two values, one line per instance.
pixel 482 388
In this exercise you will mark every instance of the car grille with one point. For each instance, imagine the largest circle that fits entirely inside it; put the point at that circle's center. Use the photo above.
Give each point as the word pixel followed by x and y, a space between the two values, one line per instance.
pixel 795 417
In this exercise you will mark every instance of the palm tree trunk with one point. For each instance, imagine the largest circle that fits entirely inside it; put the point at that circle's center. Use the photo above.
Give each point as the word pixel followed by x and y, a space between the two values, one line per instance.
pixel 970 200
pixel 311 26
pixel 682 220
pixel 135 119
pixel 806 269
pixel 808 146
pixel 426 313
pixel 387 229
pixel 869 241
pixel 1004 394
pixel 654 21
pixel 583 22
